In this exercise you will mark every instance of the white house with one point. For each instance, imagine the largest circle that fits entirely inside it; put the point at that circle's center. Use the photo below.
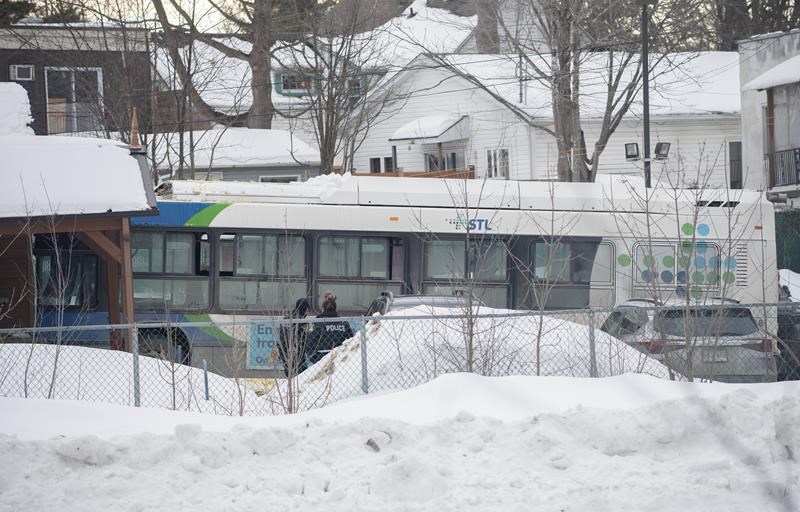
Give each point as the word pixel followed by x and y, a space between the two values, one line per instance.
pixel 450 122
pixel 770 78
pixel 235 154
pixel 224 82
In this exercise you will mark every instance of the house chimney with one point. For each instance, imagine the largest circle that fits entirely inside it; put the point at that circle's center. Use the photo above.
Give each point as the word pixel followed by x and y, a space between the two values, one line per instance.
pixel 136 143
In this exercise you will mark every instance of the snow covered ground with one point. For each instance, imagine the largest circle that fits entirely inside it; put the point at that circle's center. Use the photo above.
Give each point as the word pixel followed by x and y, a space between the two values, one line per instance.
pixel 461 442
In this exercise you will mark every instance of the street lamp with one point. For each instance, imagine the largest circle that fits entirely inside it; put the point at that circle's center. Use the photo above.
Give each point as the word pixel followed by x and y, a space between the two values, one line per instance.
pixel 646 88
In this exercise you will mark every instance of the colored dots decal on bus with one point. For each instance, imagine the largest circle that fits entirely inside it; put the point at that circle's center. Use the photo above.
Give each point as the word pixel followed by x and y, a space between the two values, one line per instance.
pixel 696 265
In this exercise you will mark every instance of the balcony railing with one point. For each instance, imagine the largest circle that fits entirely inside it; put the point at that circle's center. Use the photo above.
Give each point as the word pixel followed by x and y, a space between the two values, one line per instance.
pixel 786 167
pixel 454 173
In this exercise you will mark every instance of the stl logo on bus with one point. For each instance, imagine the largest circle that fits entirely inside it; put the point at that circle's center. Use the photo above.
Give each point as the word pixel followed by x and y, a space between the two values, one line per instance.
pixel 462 222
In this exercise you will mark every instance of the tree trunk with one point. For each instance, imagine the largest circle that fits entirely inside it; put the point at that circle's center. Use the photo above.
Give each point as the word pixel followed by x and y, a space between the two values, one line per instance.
pixel 260 61
pixel 486 37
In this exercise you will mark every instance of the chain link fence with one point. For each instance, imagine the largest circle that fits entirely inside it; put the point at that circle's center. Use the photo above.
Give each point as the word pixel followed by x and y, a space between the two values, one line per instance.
pixel 259 366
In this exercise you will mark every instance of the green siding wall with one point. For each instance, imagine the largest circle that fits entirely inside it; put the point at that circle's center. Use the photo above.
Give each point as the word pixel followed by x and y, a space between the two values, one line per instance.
pixel 787 239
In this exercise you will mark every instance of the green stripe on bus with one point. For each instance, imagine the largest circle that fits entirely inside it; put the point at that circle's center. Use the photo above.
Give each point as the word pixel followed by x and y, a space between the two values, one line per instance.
pixel 203 218
pixel 213 331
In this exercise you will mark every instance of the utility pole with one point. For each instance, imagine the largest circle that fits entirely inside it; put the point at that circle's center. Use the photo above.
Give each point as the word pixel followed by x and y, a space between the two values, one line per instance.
pixel 646 89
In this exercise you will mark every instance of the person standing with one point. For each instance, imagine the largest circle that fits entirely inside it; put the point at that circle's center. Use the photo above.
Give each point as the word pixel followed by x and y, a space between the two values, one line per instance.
pixel 291 348
pixel 325 336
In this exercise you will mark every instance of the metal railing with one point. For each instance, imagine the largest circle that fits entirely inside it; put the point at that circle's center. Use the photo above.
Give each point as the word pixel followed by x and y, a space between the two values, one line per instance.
pixel 786 165
pixel 275 366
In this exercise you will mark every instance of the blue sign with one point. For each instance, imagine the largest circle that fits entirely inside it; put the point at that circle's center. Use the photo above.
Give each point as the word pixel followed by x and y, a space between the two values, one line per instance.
pixel 262 349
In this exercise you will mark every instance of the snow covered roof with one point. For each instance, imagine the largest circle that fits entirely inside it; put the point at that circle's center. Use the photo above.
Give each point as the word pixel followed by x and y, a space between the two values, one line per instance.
pixel 428 127
pixel 787 72
pixel 681 84
pixel 236 147
pixel 15 109
pixel 45 176
pixel 224 82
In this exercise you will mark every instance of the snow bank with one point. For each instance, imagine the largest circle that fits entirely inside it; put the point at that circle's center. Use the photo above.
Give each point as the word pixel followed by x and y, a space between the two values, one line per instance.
pixel 15 109
pixel 542 445
pixel 407 353
pixel 80 373
pixel 53 175
pixel 792 281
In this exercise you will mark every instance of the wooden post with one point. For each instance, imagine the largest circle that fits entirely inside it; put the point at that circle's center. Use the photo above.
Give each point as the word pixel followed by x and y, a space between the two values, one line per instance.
pixel 112 277
pixel 127 277
pixel 771 176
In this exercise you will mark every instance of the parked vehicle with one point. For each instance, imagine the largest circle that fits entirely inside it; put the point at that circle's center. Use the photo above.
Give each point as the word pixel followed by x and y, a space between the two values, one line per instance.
pixel 789 338
pixel 391 302
pixel 720 342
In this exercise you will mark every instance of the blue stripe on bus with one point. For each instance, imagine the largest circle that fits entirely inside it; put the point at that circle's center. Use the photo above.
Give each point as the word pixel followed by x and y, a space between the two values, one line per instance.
pixel 171 214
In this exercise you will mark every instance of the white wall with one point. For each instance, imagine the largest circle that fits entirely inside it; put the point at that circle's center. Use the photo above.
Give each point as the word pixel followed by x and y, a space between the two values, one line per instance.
pixel 698 154
pixel 756 56
pixel 438 93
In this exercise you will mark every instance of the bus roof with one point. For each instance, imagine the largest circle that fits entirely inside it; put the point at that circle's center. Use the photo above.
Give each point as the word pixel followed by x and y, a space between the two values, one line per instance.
pixel 609 193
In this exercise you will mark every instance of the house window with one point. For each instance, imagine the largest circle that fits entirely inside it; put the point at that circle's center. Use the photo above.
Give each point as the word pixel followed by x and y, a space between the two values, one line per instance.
pixel 21 72
pixel 497 163
pixel 735 162
pixel 294 84
pixel 374 165
pixel 356 87
pixel 388 164
pixel 74 99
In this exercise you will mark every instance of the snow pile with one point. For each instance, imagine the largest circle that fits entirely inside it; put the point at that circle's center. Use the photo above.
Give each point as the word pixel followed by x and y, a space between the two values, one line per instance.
pixel 462 442
pixel 46 176
pixel 790 280
pixel 316 189
pixel 15 109
pixel 80 373
pixel 407 353
pixel 787 72
pixel 234 147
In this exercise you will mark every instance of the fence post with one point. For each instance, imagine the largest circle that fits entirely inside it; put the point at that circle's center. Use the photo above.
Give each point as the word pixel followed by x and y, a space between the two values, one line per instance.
pixel 135 352
pixel 205 376
pixel 364 381
pixel 592 354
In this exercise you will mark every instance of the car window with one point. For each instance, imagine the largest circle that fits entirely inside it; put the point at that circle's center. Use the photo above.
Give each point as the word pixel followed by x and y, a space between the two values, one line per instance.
pixel 706 322
pixel 624 322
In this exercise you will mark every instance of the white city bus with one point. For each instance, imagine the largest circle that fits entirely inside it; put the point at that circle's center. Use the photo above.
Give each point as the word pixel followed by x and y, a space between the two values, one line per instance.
pixel 514 244
pixel 224 250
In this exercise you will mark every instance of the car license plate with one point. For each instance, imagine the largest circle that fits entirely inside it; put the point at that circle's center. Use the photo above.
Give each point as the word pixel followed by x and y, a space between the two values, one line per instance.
pixel 714 355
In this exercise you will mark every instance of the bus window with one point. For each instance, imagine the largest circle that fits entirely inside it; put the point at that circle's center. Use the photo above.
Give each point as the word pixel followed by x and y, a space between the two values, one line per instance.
pixel 339 256
pixel 226 249
pixel 204 256
pixel 444 259
pixel 358 269
pixel 270 255
pixel 487 261
pixel 170 270
pixel 551 261
pixel 366 257
pixel 261 272
pixel 67 281
pixel 157 252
